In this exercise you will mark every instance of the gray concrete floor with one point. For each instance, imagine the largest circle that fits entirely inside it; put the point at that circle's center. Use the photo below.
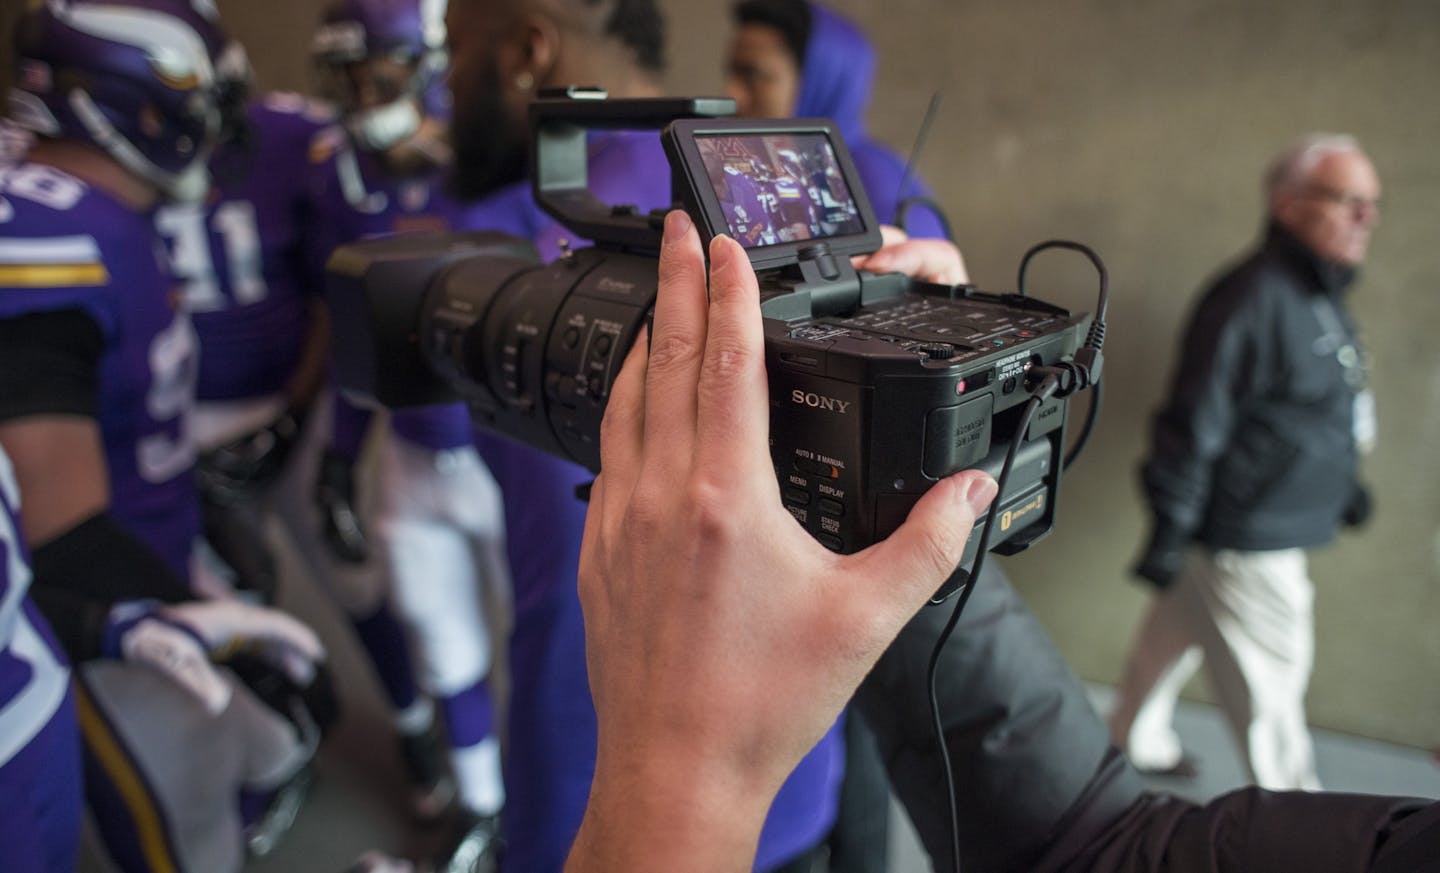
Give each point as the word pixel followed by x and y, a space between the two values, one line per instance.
pixel 357 802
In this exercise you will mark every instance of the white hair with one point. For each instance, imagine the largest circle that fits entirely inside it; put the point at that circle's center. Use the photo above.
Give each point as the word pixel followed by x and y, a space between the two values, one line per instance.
pixel 1292 167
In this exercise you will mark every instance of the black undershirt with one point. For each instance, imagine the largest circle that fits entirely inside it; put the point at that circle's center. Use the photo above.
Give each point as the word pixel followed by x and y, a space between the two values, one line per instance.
pixel 50 364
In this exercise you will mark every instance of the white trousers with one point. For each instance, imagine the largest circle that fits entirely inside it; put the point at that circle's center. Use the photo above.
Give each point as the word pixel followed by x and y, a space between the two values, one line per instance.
pixel 442 525
pixel 1248 617
pixel 443 528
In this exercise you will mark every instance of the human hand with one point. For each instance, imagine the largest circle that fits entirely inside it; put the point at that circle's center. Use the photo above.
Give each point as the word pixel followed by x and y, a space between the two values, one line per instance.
pixel 931 260
pixel 179 640
pixel 1163 558
pixel 339 518
pixel 1359 508
pixel 722 640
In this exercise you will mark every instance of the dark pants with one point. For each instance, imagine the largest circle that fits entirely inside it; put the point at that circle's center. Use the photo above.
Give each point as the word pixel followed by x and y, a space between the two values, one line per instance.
pixel 1040 788
pixel 860 840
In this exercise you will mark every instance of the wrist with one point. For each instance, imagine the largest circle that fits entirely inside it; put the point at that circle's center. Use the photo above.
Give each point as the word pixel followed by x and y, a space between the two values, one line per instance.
pixel 1161 561
pixel 653 809
pixel 121 618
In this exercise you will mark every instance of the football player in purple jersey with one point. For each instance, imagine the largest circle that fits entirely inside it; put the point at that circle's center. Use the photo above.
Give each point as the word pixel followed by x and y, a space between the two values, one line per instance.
pixel 248 277
pixel 250 260
pixel 39 739
pixel 740 199
pixel 124 101
pixel 441 526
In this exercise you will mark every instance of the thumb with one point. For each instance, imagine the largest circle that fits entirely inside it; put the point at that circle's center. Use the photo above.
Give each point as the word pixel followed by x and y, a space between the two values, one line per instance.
pixel 909 565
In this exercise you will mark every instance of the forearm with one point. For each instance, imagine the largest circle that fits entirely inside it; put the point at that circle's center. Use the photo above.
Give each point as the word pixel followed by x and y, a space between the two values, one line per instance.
pixel 80 574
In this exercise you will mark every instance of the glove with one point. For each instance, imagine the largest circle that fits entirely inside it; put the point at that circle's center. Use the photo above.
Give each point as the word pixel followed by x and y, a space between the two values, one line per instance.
pixel 179 639
pixel 1162 559
pixel 339 522
pixel 1359 508
pixel 231 473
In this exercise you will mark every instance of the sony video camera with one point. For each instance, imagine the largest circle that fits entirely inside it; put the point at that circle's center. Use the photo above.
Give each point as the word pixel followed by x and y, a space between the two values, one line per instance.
pixel 880 385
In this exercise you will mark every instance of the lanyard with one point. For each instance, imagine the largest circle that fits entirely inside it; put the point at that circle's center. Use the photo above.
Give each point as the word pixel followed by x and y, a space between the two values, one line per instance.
pixel 1339 341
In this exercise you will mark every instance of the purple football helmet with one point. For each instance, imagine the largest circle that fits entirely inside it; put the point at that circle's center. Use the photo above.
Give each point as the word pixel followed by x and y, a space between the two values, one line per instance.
pixel 152 82
pixel 410 32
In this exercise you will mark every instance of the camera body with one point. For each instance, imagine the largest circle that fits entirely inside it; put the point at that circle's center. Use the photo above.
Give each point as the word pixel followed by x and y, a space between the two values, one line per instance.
pixel 880 385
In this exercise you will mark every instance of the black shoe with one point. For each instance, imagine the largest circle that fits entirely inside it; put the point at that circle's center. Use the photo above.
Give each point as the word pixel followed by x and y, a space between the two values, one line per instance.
pixel 1185 768
pixel 264 834
pixel 474 848
pixel 432 788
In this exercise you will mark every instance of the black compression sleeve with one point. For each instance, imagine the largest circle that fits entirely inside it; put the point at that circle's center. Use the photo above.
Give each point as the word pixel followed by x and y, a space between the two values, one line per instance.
pixel 80 574
pixel 49 364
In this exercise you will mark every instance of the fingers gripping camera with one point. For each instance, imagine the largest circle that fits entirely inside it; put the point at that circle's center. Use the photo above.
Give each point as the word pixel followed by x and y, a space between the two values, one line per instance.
pixel 880 385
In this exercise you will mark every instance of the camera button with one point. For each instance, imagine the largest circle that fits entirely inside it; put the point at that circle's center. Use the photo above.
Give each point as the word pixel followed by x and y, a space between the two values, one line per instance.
pixel 833 543
pixel 832 508
pixel 572 337
pixel 797 496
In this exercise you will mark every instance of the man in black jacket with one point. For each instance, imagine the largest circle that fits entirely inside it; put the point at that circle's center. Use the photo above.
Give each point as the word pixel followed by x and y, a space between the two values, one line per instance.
pixel 1252 461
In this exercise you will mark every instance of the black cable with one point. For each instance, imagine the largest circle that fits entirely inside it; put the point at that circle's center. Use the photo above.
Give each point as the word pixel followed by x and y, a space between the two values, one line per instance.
pixel 1097 393
pixel 932 671
pixel 903 209
pixel 1102 308
pixel 1062 379
pixel 1083 371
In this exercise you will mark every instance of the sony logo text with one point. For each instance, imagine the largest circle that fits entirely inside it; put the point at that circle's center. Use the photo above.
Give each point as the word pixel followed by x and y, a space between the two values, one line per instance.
pixel 819 401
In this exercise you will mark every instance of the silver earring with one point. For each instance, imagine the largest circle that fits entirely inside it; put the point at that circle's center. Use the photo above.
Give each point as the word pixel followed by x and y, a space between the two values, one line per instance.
pixel 524 81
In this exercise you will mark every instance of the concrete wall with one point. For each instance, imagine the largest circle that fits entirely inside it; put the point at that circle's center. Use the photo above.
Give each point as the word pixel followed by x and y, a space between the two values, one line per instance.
pixel 1141 129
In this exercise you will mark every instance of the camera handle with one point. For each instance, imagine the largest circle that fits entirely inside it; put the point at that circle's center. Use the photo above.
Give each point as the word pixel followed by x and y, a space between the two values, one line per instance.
pixel 562 119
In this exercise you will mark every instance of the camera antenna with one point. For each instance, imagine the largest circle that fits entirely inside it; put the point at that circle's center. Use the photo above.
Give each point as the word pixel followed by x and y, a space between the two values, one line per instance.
pixel 903 207
pixel 920 136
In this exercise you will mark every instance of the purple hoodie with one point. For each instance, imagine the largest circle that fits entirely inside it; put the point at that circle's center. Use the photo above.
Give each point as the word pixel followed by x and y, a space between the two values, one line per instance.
pixel 835 82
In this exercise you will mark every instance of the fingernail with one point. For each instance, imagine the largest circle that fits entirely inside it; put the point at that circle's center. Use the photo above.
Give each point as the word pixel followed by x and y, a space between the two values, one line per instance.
pixel 980 492
pixel 677 224
pixel 720 252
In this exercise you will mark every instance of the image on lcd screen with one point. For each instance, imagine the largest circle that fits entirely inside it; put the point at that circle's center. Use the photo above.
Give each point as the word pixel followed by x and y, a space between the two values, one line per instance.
pixel 779 187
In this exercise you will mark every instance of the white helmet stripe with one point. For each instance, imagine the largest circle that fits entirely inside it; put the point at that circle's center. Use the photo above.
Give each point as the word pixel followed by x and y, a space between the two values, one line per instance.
pixel 177 50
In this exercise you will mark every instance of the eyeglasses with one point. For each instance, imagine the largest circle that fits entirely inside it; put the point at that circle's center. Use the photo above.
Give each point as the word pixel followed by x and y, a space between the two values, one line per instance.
pixel 1344 199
